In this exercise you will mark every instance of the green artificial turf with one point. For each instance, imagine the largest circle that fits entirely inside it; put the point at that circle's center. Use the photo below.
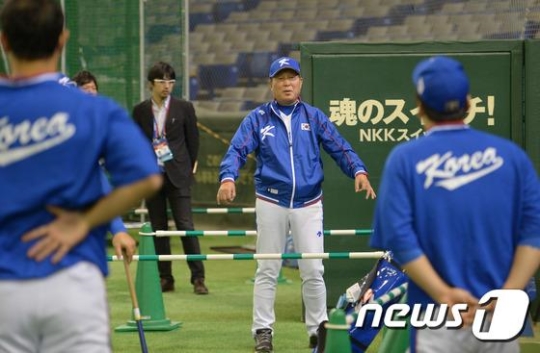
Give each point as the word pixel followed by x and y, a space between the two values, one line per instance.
pixel 218 322
pixel 221 321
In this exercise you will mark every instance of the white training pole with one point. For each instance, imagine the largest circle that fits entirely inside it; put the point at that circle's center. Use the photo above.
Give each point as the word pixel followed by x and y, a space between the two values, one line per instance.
pixel 302 256
pixel 238 233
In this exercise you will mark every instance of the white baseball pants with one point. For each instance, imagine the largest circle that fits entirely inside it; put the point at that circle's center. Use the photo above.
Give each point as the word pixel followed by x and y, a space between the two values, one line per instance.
pixel 306 226
pixel 65 312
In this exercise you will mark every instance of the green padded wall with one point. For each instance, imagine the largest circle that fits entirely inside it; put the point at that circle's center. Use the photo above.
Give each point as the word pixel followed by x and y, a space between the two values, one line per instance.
pixel 367 92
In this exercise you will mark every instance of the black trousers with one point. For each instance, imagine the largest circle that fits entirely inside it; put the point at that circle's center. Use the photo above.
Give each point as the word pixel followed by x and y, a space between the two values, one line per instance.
pixel 180 204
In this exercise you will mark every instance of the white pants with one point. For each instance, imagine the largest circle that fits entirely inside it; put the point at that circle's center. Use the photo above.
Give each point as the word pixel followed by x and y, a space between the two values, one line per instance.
pixel 66 312
pixel 306 226
pixel 459 341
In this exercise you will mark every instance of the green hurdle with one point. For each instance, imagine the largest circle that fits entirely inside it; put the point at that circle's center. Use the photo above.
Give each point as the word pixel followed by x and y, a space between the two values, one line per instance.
pixel 243 233
pixel 299 256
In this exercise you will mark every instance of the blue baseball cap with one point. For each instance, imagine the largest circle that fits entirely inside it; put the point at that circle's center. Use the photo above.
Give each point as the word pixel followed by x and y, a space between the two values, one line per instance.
pixel 282 64
pixel 443 87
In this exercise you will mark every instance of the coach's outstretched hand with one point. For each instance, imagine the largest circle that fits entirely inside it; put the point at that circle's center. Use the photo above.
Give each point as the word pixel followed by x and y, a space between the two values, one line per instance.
pixel 361 183
pixel 226 193
pixel 68 229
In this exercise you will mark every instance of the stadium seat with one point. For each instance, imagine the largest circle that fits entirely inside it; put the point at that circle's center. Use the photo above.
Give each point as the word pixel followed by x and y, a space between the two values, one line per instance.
pixel 231 106
pixel 453 7
pixel 283 36
pixel 243 46
pixel 233 93
pixel 414 20
pixel 251 4
pixel 229 58
pixel 236 17
pixel 302 14
pixel 199 7
pixel 259 94
pixel 354 13
pixel 254 31
pixel 259 36
pixel 215 37
pixel 196 19
pixel 222 9
pixel 234 36
pixel 304 35
pixel 267 5
pixel 253 67
pixel 340 24
pixel 220 47
pixel 272 28
pixel 203 105
pixel 468 30
pixel 334 35
pixel 212 77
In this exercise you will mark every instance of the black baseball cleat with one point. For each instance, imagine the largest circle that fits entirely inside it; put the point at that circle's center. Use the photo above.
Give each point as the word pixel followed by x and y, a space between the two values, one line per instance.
pixel 263 341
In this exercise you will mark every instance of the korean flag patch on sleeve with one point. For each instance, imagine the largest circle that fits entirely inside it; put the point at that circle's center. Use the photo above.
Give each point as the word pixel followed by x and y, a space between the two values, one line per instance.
pixel 305 127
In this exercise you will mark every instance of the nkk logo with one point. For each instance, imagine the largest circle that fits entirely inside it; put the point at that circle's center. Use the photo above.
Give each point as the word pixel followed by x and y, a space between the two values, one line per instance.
pixel 505 324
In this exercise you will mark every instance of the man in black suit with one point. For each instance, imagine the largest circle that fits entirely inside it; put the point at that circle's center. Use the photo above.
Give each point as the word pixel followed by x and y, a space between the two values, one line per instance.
pixel 171 126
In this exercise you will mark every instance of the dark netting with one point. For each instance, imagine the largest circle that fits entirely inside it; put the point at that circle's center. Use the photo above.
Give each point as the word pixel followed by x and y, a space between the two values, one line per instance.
pixel 105 39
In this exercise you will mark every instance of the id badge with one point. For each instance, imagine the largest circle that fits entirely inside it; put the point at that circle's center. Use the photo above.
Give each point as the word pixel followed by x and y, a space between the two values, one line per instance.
pixel 162 150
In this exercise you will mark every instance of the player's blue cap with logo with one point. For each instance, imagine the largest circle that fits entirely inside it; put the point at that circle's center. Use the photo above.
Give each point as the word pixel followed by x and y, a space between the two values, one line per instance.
pixel 443 87
pixel 282 64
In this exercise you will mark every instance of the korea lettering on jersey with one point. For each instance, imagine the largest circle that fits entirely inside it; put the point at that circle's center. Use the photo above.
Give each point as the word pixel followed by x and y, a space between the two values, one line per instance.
pixel 447 168
pixel 27 138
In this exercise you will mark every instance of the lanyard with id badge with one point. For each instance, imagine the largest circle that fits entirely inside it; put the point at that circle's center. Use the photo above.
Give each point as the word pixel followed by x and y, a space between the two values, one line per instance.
pixel 161 147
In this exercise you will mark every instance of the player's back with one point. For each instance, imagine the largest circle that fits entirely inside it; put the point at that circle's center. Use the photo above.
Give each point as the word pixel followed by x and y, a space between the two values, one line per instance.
pixel 469 190
pixel 50 143
pixel 51 139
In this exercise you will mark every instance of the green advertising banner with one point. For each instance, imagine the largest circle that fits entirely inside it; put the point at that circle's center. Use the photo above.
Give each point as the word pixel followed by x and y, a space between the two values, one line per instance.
pixel 367 91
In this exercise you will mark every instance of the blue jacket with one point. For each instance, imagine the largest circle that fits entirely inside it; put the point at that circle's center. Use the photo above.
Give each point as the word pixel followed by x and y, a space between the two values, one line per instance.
pixel 289 167
pixel 116 225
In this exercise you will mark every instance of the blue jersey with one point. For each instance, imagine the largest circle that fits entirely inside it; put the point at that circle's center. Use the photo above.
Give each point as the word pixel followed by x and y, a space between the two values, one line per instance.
pixel 116 225
pixel 463 198
pixel 51 139
pixel 289 166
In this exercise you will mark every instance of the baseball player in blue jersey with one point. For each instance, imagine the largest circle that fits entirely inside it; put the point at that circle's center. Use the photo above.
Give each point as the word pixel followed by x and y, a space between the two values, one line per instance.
pixel 54 213
pixel 459 208
pixel 87 82
pixel 286 135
